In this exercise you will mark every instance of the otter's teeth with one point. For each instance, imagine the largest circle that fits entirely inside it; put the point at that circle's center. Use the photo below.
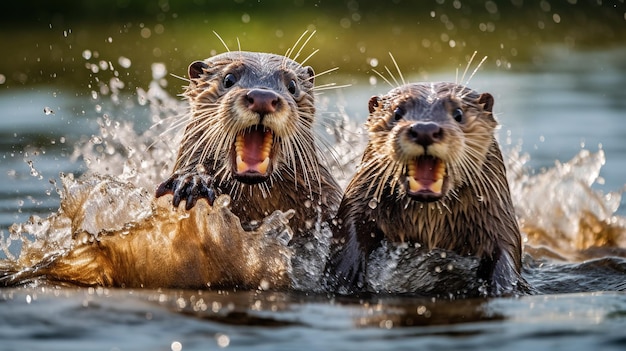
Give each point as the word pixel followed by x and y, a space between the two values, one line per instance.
pixel 263 165
pixel 241 166
pixel 437 186
pixel 267 146
pixel 440 173
pixel 414 185
pixel 239 144
pixel 412 170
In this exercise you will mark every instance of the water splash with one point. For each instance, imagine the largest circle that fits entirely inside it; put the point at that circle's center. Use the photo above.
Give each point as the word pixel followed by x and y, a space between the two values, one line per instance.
pixel 561 209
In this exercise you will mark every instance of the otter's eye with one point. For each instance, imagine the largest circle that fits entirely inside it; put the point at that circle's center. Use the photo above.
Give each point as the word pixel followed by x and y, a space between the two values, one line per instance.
pixel 457 114
pixel 398 113
pixel 229 80
pixel 292 87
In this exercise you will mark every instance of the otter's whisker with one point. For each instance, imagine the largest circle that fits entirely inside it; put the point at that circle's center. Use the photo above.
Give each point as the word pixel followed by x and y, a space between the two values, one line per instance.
pixel 397 84
pixel 330 86
pixel 303 44
pixel 180 77
pixel 384 78
pixel 293 48
pixel 393 59
pixel 325 72
pixel 221 40
pixel 303 62
pixel 476 69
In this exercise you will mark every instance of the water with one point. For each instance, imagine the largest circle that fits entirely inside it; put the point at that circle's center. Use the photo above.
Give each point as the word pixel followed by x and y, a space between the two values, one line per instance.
pixel 566 186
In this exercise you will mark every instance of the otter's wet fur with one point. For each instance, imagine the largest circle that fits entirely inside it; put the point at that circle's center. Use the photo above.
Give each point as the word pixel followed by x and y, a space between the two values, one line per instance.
pixel 234 98
pixel 432 176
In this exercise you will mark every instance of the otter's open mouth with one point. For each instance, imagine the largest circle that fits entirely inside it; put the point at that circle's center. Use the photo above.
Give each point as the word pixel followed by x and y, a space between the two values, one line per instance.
pixel 426 178
pixel 252 154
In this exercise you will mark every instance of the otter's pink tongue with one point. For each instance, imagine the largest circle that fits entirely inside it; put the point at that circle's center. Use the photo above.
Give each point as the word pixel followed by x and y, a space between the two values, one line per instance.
pixel 426 174
pixel 252 148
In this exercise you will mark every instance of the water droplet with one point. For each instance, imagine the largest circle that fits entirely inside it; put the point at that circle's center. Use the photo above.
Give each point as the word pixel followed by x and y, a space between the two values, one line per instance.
pixel 372 204
pixel 264 284
pixel 222 340
pixel 48 111
pixel 224 201
pixel 176 346
pixel 87 54
pixel 158 70
pixel 124 61
pixel 145 33
pixel 386 324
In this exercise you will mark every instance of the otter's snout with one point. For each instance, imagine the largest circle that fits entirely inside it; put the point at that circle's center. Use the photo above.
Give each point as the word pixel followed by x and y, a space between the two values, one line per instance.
pixel 262 101
pixel 425 134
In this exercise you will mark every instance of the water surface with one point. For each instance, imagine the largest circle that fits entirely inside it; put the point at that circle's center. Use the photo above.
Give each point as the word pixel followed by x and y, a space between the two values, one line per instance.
pixel 562 131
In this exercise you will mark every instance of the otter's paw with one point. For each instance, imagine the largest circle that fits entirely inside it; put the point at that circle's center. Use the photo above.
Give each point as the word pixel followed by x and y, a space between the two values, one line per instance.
pixel 189 187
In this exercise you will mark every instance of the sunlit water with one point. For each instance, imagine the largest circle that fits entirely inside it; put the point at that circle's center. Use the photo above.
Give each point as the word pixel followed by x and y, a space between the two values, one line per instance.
pixel 562 134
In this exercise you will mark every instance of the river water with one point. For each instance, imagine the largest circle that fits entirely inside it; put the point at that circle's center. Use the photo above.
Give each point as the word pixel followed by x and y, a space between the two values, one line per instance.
pixel 563 136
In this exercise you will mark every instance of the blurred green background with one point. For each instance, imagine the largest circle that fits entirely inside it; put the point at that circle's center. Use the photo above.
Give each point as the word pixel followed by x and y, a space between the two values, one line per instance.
pixel 58 42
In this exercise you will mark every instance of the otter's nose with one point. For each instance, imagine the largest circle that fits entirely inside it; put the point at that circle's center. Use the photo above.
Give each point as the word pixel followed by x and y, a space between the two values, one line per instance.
pixel 425 134
pixel 262 101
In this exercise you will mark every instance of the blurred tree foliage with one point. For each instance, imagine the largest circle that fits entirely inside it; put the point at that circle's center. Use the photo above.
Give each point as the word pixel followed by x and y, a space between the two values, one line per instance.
pixel 47 39
pixel 25 12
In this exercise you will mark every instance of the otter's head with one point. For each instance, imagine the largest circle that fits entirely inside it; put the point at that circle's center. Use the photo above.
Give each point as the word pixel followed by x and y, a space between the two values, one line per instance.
pixel 429 139
pixel 252 115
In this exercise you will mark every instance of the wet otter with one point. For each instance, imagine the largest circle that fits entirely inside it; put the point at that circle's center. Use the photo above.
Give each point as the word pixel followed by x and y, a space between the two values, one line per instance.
pixel 431 176
pixel 250 136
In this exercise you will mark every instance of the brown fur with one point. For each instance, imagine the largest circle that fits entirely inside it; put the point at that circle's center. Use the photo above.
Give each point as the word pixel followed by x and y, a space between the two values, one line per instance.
pixel 474 216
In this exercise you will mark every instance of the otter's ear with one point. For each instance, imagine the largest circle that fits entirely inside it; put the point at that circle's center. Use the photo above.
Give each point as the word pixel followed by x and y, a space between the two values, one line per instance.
pixel 196 69
pixel 311 73
pixel 487 101
pixel 373 104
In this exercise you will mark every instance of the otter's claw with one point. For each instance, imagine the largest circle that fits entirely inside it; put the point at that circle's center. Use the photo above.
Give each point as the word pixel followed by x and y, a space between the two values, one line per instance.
pixel 188 187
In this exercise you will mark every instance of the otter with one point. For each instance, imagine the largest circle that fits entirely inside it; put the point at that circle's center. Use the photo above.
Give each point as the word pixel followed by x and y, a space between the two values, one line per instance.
pixel 250 136
pixel 432 176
